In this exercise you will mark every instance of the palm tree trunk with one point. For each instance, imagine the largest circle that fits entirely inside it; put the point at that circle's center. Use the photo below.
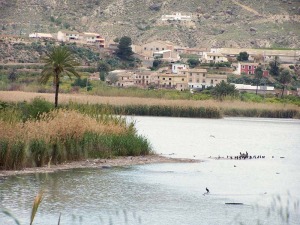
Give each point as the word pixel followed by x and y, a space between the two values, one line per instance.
pixel 56 90
pixel 256 88
pixel 282 91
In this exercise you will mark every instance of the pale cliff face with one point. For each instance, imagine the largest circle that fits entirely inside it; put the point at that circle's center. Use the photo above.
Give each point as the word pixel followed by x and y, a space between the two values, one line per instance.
pixel 228 23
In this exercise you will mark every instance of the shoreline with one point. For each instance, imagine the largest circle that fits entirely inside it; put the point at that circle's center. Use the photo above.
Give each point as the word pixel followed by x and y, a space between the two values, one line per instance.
pixel 99 163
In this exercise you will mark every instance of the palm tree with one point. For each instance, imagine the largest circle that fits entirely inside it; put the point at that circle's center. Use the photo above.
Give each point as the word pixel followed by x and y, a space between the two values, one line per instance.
pixel 258 75
pixel 284 78
pixel 58 62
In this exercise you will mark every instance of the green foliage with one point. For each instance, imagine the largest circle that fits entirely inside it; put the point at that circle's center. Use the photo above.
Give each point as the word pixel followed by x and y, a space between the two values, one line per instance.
pixel 124 48
pixel 258 76
pixel 224 89
pixel 274 67
pixel 243 56
pixel 284 78
pixel 157 63
pixel 13 76
pixel 193 62
pixel 103 68
pixel 34 109
pixel 83 83
pixel 58 62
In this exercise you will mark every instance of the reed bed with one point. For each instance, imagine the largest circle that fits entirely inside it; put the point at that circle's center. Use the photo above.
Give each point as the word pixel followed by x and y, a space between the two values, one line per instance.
pixel 66 135
pixel 227 108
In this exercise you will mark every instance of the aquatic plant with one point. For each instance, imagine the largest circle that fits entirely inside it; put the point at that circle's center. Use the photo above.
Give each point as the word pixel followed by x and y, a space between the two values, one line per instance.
pixel 66 135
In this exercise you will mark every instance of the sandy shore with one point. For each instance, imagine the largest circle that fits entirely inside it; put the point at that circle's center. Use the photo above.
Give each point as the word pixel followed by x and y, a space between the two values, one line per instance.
pixel 99 163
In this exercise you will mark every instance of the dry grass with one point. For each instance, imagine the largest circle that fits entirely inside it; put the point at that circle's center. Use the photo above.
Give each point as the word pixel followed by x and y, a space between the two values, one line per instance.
pixel 16 96
pixel 57 125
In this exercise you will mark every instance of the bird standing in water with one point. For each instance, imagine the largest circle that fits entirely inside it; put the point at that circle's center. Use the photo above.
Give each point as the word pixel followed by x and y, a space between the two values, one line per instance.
pixel 207 191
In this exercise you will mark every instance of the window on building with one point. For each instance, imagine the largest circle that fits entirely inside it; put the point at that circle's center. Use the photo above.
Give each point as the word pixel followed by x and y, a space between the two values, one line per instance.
pixel 182 79
pixel 191 74
pixel 249 72
pixel 211 81
pixel 157 49
pixel 170 83
pixel 204 75
pixel 197 80
pixel 170 78
pixel 146 76
pixel 164 78
pixel 249 67
pixel 243 67
pixel 145 48
pixel 203 81
pixel 190 80
pixel 163 49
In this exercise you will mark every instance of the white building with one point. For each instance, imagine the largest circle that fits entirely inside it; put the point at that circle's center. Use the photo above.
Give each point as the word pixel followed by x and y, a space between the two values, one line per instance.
pixel 209 57
pixel 41 35
pixel 176 67
pixel 252 89
pixel 177 17
pixel 67 36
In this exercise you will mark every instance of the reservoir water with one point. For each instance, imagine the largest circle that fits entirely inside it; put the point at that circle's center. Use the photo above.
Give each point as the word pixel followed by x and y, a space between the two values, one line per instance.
pixel 173 194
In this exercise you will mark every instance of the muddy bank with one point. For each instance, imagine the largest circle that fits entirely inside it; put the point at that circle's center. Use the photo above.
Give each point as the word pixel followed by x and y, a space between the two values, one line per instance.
pixel 98 163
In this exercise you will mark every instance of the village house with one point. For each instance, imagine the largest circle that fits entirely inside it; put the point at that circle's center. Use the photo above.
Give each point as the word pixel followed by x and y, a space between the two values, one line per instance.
pixel 249 68
pixel 252 89
pixel 67 35
pixel 285 56
pixel 177 17
pixel 125 78
pixel 209 57
pixel 176 67
pixel 93 38
pixel 198 78
pixel 166 55
pixel 41 35
pixel 143 78
pixel 156 46
pixel 172 81
pixel 83 38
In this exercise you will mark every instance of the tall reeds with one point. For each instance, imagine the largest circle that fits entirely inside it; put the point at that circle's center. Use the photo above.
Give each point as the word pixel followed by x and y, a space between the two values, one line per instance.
pixel 66 135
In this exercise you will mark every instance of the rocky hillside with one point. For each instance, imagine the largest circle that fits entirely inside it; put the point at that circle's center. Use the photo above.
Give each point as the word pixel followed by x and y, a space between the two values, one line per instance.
pixel 228 23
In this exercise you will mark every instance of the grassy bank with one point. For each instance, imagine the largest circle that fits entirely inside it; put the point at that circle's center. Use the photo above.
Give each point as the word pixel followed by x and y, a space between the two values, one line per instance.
pixel 63 135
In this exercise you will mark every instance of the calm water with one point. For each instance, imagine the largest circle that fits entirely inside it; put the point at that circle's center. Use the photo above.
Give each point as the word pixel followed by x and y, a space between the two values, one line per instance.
pixel 173 193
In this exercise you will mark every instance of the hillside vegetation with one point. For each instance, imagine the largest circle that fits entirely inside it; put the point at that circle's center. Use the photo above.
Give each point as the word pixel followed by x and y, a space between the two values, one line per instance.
pixel 228 23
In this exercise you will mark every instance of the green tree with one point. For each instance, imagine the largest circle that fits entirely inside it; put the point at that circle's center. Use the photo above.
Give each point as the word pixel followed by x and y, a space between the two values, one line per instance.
pixel 284 78
pixel 58 62
pixel 243 56
pixel 13 76
pixel 124 48
pixel 224 89
pixel 193 62
pixel 258 76
pixel 103 68
pixel 274 67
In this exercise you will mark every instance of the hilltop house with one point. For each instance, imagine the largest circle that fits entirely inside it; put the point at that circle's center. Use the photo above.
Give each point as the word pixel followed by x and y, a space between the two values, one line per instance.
pixel 177 17
pixel 285 56
pixel 83 38
pixel 176 67
pixel 210 57
pixel 41 35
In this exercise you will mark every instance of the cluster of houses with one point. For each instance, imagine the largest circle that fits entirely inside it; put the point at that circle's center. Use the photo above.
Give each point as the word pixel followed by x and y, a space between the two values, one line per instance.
pixel 178 77
pixel 73 36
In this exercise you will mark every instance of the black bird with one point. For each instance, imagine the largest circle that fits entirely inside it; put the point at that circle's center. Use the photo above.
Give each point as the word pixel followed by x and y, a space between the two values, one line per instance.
pixel 207 191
